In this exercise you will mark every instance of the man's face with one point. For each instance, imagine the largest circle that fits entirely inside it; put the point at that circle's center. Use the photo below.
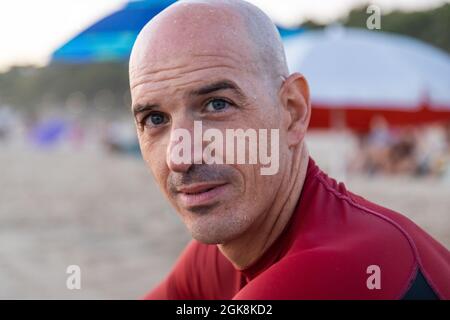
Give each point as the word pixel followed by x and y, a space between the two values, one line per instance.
pixel 215 83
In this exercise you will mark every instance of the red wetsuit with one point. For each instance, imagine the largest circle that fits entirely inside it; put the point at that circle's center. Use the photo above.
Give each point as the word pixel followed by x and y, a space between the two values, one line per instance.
pixel 323 253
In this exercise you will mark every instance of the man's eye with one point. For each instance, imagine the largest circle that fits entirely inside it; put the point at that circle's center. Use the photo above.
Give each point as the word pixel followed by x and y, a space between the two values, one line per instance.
pixel 217 105
pixel 155 119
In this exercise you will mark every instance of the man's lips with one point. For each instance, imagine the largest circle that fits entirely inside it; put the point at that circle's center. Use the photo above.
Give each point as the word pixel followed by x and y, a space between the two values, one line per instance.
pixel 201 194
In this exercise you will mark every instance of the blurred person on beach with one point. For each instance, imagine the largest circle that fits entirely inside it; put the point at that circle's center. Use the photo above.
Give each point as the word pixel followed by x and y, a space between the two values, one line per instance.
pixel 421 151
pixel 7 121
pixel 375 147
pixel 296 234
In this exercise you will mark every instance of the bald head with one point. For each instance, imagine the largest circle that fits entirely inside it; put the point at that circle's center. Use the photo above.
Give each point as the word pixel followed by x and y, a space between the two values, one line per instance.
pixel 228 28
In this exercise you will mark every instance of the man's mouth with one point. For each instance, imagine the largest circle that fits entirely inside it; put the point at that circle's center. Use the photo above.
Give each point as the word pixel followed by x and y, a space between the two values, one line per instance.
pixel 201 194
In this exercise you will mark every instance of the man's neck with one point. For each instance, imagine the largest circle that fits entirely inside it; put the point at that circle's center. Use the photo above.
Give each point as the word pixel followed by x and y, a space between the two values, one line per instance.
pixel 247 249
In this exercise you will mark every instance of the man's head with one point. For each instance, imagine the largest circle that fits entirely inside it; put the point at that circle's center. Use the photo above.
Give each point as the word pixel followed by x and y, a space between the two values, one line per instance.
pixel 221 63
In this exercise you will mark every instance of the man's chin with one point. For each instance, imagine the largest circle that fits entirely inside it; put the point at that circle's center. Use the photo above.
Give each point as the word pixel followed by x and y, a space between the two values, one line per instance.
pixel 203 210
pixel 209 238
pixel 217 228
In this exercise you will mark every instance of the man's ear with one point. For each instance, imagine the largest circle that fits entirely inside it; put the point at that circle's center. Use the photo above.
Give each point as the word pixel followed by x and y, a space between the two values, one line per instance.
pixel 294 96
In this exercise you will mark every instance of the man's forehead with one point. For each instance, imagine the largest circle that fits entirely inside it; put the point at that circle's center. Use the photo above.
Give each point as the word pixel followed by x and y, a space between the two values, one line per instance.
pixel 182 82
pixel 190 67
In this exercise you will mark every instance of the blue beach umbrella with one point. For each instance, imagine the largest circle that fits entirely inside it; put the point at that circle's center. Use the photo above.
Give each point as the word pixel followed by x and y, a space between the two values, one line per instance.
pixel 112 37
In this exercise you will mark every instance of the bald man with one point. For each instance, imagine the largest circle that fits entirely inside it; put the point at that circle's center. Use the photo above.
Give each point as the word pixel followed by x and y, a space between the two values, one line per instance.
pixel 293 234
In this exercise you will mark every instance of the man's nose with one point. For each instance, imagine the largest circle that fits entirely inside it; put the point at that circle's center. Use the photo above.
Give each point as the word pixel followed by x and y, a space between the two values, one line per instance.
pixel 184 148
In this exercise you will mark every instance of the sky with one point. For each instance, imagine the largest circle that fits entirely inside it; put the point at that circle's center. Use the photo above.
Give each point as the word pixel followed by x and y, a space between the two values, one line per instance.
pixel 31 29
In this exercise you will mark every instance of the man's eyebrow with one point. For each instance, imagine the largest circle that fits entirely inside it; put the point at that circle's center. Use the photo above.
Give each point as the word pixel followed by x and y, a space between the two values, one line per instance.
pixel 217 86
pixel 146 107
pixel 210 88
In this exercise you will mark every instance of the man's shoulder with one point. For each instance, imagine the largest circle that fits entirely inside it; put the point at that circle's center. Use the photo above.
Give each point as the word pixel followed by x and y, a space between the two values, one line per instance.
pixel 352 268
pixel 348 243
pixel 364 220
pixel 430 258
pixel 330 273
pixel 348 222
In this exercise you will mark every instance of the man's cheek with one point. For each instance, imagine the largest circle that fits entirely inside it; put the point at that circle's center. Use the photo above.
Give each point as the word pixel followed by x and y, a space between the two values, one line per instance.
pixel 160 172
pixel 144 142
pixel 156 171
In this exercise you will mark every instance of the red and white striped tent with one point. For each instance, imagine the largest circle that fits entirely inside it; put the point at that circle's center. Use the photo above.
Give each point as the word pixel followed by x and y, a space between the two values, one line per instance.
pixel 356 74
